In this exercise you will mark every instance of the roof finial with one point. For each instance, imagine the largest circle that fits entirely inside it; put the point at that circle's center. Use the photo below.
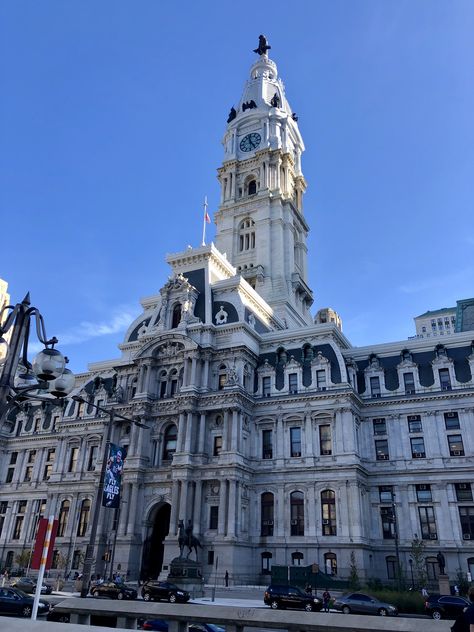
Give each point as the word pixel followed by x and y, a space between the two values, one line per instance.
pixel 263 45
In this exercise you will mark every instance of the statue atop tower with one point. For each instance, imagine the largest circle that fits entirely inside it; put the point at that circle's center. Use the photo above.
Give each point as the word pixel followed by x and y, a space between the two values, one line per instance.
pixel 263 46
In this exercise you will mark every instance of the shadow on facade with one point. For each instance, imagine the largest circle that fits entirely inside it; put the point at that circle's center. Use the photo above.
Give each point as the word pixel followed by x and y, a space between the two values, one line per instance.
pixel 153 547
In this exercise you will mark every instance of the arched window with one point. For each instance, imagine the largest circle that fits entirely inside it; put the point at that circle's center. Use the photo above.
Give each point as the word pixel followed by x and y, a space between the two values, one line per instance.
pixel 328 511
pixel 173 382
pixel 247 235
pixel 63 517
pixel 222 380
pixel 297 558
pixel 266 563
pixel 252 188
pixel 133 388
pixel 330 563
pixel 169 442
pixel 266 528
pixel 176 316
pixel 162 384
pixel 391 562
pixel 297 513
pixel 84 517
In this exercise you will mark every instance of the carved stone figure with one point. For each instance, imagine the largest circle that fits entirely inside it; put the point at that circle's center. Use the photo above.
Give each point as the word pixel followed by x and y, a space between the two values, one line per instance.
pixel 249 105
pixel 221 316
pixel 441 562
pixel 232 114
pixel 263 46
pixel 275 101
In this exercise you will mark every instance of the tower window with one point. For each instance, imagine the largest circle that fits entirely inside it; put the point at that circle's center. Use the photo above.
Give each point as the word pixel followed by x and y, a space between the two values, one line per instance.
pixel 252 187
pixel 246 235
pixel 176 318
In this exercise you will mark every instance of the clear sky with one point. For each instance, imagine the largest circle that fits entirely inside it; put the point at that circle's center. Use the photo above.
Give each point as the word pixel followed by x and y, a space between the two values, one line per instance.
pixel 111 120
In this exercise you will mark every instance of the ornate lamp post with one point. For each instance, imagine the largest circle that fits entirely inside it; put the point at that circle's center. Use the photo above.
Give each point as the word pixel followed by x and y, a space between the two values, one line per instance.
pixel 20 379
pixel 89 557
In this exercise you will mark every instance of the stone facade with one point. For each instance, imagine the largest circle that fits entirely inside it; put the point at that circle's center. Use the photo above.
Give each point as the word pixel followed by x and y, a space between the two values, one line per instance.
pixel 281 442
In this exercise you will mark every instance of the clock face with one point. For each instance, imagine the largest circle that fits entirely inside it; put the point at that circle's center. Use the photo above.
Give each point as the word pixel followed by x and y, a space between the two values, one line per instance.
pixel 251 141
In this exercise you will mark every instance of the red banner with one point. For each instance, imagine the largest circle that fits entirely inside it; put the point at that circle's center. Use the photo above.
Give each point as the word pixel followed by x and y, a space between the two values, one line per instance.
pixel 39 544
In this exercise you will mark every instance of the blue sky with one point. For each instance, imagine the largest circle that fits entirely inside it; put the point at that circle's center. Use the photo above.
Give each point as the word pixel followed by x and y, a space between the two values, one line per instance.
pixel 111 120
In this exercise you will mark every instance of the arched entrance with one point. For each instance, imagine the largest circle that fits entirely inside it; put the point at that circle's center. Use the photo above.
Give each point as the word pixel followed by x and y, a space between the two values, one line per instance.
pixel 152 558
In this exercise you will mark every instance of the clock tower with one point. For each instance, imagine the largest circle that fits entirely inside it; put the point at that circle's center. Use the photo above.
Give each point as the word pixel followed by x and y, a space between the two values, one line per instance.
pixel 260 221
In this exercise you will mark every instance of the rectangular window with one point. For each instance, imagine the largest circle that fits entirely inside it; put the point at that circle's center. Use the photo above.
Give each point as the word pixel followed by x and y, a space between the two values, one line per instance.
pixel 267 446
pixel 17 529
pixel 325 442
pixel 295 441
pixel 13 458
pixel 463 492
pixel 386 493
pixel 414 423
pixel 73 459
pixel 51 455
pixel 445 379
pixel 22 506
pixel 375 386
pixel 418 447
pixel 9 476
pixel 28 474
pixel 222 381
pixel 451 421
pixel 80 410
pixel 381 450
pixel 293 382
pixel 2 521
pixel 163 385
pixel 217 446
pixel 266 386
pixel 409 381
pixel 380 427
pixel 423 493
pixel 388 525
pixel 456 447
pixel 210 557
pixel 466 516
pixel 92 458
pixel 31 456
pixel 48 468
pixel 427 523
pixel 321 379
pixel 213 517
pixel 3 506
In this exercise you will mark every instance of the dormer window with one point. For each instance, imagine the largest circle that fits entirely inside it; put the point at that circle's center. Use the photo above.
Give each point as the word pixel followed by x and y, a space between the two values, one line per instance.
pixel 247 235
pixel 176 317
pixel 252 188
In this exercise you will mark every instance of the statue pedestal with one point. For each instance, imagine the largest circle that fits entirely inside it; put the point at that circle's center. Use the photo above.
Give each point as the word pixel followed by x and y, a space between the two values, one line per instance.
pixel 187 574
pixel 444 588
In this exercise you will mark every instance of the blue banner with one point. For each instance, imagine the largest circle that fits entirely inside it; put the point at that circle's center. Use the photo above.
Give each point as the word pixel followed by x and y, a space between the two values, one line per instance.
pixel 113 476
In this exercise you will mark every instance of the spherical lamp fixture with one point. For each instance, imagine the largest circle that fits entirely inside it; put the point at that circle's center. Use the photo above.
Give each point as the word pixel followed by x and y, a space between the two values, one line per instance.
pixel 62 385
pixel 48 364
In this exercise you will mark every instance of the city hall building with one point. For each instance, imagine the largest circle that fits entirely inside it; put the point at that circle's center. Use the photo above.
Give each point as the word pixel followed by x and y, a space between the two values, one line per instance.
pixel 281 442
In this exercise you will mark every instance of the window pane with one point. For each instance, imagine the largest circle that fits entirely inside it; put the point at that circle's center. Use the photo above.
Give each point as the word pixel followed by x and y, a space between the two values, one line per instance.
pixel 295 439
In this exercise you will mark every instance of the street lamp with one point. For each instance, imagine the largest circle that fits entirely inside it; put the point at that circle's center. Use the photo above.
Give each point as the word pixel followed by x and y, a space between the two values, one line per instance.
pixel 20 379
pixel 410 561
pixel 89 557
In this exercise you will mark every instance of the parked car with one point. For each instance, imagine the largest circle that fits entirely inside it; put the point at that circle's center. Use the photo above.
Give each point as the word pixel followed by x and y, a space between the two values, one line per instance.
pixel 290 597
pixel 28 585
pixel 16 602
pixel 114 590
pixel 55 615
pixel 445 606
pixel 164 591
pixel 159 625
pixel 359 603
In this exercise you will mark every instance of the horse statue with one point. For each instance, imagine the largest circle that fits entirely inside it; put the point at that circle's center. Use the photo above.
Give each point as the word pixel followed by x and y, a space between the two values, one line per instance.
pixel 186 538
pixel 181 538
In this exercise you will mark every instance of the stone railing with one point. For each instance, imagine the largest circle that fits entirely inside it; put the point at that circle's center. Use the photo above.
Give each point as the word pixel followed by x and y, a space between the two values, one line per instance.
pixel 125 614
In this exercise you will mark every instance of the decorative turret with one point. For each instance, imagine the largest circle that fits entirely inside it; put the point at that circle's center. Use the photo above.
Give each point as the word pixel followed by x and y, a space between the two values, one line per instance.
pixel 260 222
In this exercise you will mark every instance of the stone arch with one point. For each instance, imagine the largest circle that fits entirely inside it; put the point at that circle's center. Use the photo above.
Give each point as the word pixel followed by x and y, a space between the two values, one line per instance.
pixel 157 528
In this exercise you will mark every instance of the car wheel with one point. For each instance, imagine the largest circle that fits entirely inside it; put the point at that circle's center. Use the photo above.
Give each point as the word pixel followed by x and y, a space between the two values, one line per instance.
pixel 64 618
pixel 95 593
pixel 274 604
pixel 383 612
pixel 146 596
pixel 346 610
pixel 172 598
pixel 120 595
pixel 436 614
pixel 26 611
pixel 308 607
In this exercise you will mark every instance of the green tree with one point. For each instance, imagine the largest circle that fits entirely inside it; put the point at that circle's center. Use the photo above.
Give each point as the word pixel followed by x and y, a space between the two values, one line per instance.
pixel 354 582
pixel 417 552
pixel 23 559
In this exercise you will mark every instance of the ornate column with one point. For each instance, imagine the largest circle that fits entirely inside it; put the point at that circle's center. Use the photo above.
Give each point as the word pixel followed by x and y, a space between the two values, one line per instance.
pixel 202 433
pixel 225 433
pixel 311 504
pixel 280 438
pixel 174 508
pixel 193 370
pixel 222 507
pixel 205 377
pixel 181 433
pixel 234 432
pixel 280 512
pixel 197 507
pixel 122 526
pixel 183 504
pixel 232 513
pixel 308 431
pixel 133 508
pixel 189 431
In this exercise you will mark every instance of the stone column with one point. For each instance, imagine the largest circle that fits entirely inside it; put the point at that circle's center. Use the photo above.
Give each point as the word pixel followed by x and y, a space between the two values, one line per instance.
pixel 308 430
pixel 133 508
pixel 222 507
pixel 280 512
pixel 280 439
pixel 122 526
pixel 174 508
pixel 183 505
pixel 202 433
pixel 193 371
pixel 311 504
pixel 231 513
pixel 181 433
pixel 205 377
pixel 197 507
pixel 225 433
pixel 234 432
pixel 189 432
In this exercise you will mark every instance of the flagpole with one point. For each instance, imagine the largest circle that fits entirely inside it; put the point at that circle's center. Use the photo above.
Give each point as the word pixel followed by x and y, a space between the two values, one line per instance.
pixel 204 222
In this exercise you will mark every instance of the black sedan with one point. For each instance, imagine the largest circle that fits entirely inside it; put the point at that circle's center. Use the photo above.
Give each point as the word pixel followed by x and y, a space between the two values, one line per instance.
pixel 445 606
pixel 28 585
pixel 164 591
pixel 114 590
pixel 16 602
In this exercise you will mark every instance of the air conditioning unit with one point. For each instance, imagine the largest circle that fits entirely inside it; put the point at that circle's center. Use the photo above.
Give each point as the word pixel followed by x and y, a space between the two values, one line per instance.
pixel 326 521
pixel 409 392
pixel 419 455
pixel 433 536
pixel 466 536
pixel 457 452
pixel 294 522
pixel 270 523
pixel 446 387
pixel 266 394
pixel 296 454
pixel 462 485
pixel 450 415
pixel 326 452
pixel 422 488
pixel 268 455
pixel 376 395
pixel 383 457
pixel 293 391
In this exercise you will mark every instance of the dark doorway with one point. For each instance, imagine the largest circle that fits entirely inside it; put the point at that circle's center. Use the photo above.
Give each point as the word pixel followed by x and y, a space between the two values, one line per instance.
pixel 152 559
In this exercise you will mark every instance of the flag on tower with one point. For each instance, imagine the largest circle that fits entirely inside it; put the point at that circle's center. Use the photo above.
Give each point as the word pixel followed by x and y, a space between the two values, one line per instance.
pixel 206 220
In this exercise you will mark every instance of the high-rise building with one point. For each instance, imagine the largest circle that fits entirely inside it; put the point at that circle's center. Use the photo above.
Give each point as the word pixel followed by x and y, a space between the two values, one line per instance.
pixel 446 321
pixel 280 441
